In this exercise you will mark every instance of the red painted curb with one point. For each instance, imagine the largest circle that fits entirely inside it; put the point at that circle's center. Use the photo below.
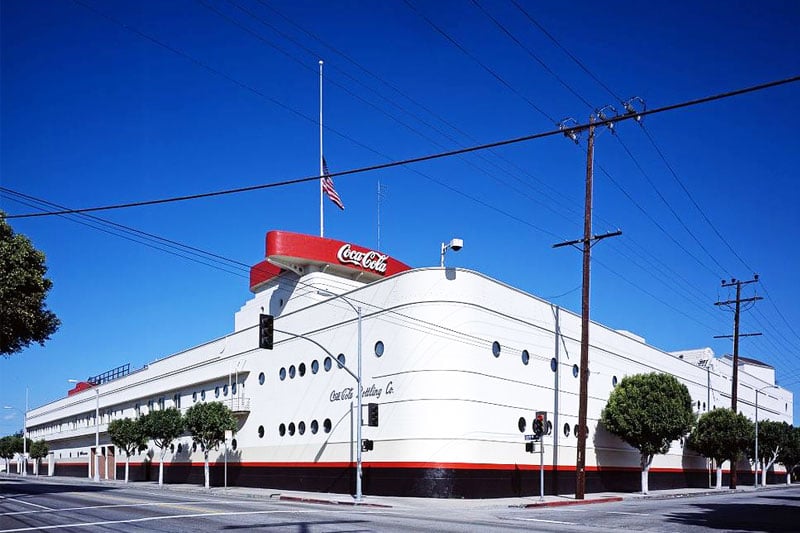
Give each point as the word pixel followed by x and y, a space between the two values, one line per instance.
pixel 329 502
pixel 561 503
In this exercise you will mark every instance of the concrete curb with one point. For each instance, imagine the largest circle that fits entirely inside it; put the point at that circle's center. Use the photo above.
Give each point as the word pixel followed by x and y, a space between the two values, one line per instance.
pixel 302 499
pixel 562 503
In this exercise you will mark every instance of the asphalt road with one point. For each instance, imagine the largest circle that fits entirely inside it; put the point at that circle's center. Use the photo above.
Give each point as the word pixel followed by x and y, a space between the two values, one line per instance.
pixel 31 505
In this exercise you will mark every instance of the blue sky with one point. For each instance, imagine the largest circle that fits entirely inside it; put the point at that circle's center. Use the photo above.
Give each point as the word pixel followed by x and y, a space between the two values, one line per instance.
pixel 110 102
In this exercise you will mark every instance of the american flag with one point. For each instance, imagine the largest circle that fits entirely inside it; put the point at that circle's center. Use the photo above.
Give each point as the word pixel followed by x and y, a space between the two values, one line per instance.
pixel 327 186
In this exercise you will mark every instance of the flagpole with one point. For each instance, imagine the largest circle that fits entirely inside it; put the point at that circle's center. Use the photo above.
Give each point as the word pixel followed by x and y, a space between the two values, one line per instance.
pixel 321 208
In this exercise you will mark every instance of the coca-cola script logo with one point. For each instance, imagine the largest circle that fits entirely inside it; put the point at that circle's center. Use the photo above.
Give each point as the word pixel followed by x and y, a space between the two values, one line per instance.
pixel 371 260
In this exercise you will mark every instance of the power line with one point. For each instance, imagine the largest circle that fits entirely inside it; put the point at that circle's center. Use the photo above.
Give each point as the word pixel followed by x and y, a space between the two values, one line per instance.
pixel 429 157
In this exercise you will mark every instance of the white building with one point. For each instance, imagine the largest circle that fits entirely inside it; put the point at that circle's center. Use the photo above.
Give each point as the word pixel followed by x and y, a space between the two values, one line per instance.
pixel 457 362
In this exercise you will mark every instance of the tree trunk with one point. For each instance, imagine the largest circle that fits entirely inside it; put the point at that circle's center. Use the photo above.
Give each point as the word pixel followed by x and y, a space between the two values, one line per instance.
pixel 788 477
pixel 205 467
pixel 646 462
pixel 127 466
pixel 161 466
pixel 719 476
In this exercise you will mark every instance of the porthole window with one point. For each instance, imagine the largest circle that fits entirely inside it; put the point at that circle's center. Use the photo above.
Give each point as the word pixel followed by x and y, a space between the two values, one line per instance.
pixel 301 427
pixel 575 430
pixel 327 364
pixel 341 360
pixel 194 396
pixel 549 428
pixel 261 378
pixel 698 405
pixel 327 425
pixel 260 432
pixel 301 369
pixel 282 373
pixel 282 430
pixel 566 430
pixel 378 348
pixel 233 388
pixel 234 444
pixel 496 349
pixel 526 357
pixel 314 366
pixel 521 424
pixel 553 364
pixel 292 372
pixel 314 427
pixel 614 381
pixel 291 428
pixel 575 371
pixel 203 395
pixel 224 390
pixel 216 391
pixel 704 406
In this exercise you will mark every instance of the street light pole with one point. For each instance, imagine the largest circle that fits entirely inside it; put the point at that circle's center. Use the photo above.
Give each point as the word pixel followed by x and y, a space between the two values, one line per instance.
pixel 24 432
pixel 97 435
pixel 757 459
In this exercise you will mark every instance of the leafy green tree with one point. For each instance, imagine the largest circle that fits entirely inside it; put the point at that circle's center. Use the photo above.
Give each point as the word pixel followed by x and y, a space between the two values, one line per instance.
pixel 722 435
pixel 24 317
pixel 207 423
pixel 38 450
pixel 772 438
pixel 789 456
pixel 128 435
pixel 7 450
pixel 649 411
pixel 163 427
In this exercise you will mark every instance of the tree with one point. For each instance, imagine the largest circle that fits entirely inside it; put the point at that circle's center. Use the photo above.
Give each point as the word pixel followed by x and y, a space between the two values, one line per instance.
pixel 24 317
pixel 207 423
pixel 722 435
pixel 649 411
pixel 129 435
pixel 38 451
pixel 772 438
pixel 789 456
pixel 163 427
pixel 7 450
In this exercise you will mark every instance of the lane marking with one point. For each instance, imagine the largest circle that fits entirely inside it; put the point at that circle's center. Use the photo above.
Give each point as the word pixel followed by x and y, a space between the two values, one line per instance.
pixel 106 506
pixel 627 513
pixel 547 521
pixel 29 503
pixel 171 517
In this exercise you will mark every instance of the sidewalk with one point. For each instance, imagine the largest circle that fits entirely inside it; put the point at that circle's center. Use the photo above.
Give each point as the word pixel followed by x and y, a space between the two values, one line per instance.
pixel 396 502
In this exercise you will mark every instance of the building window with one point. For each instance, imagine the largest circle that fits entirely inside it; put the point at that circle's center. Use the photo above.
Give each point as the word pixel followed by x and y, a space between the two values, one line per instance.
pixel 301 369
pixel 301 427
pixel 314 366
pixel 575 431
pixel 496 349
pixel 526 357
pixel 575 371
pixel 176 399
pixel 327 364
pixel 233 388
pixel 203 395
pixel 614 381
pixel 282 430
pixel 292 372
pixel 314 427
pixel 521 424
pixel 291 428
pixel 549 428
pixel 566 430
pixel 282 373
pixel 553 364
pixel 341 360
pixel 194 447
pixel 234 444
pixel 704 406
pixel 194 397
pixel 161 402
pixel 225 390
pixel 138 409
pixel 260 432
pixel 327 425
pixel 261 378
pixel 379 348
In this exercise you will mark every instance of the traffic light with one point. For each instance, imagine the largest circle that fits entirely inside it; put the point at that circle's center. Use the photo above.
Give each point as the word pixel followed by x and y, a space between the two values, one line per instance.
pixel 539 424
pixel 372 414
pixel 529 446
pixel 367 445
pixel 265 330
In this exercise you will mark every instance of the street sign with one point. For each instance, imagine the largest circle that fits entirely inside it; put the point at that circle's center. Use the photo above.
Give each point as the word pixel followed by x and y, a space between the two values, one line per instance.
pixel 530 437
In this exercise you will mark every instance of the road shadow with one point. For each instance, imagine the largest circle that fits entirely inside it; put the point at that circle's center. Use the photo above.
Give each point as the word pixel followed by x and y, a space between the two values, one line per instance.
pixel 739 516
pixel 10 487
pixel 304 527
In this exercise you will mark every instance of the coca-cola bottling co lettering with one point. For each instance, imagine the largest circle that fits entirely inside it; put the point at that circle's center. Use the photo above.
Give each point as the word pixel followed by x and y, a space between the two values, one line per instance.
pixel 371 260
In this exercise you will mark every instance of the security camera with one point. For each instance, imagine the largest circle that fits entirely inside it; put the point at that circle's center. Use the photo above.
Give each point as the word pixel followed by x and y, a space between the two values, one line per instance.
pixel 456 244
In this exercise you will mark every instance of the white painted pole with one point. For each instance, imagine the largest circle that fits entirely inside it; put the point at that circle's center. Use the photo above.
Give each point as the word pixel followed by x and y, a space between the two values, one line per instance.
pixel 25 436
pixel 321 195
pixel 360 414
pixel 97 435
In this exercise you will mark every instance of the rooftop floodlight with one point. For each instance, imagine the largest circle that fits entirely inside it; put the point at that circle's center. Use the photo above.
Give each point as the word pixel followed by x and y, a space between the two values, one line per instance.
pixel 454 244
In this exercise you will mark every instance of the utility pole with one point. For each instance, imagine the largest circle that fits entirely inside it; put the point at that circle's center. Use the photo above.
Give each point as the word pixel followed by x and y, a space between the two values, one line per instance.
pixel 587 242
pixel 735 372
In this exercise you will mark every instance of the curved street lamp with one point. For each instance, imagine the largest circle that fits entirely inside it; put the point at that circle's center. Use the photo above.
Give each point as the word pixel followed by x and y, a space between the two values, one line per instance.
pixel 24 432
pixel 757 458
